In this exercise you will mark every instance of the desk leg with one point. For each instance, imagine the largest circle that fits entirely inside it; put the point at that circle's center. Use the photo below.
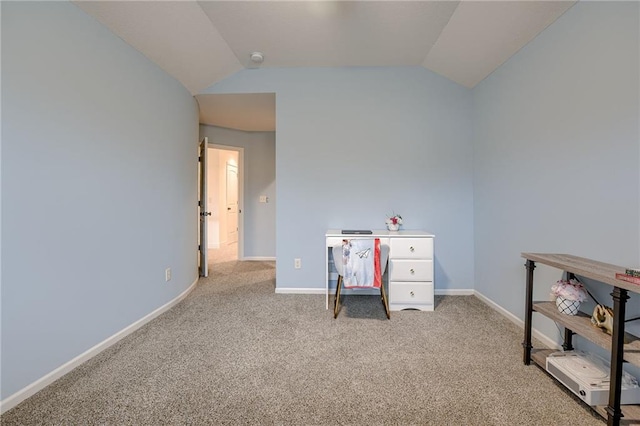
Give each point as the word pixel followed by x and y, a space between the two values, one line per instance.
pixel 326 276
pixel 528 312
pixel 620 297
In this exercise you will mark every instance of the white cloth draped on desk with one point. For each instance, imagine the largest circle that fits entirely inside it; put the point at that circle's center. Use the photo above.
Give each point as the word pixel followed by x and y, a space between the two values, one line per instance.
pixel 361 261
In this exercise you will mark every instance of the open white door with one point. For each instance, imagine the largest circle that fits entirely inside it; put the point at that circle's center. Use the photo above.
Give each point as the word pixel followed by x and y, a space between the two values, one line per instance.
pixel 232 203
pixel 202 203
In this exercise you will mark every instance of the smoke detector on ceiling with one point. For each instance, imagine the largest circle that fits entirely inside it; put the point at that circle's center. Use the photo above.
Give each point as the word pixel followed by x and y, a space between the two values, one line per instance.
pixel 257 57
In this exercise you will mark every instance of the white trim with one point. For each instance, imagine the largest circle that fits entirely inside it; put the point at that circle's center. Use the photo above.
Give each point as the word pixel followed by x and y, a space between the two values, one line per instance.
pixel 454 292
pixel 293 290
pixel 550 343
pixel 24 393
pixel 259 258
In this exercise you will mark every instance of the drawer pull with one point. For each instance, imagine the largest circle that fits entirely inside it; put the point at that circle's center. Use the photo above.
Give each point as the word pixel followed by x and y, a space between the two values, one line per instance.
pixel 411 249
pixel 412 271
pixel 412 295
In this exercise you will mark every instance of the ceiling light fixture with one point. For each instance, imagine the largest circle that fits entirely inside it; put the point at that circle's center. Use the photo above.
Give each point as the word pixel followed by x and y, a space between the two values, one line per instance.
pixel 257 57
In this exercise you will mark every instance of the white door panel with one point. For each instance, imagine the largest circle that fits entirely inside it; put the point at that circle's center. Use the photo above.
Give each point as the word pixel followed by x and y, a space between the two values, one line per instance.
pixel 232 203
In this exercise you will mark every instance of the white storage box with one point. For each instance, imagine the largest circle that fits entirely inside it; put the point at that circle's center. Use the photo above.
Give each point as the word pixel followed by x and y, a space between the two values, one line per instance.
pixel 588 377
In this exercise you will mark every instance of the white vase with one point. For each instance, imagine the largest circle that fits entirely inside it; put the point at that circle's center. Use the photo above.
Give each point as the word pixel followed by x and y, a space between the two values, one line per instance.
pixel 566 306
pixel 393 227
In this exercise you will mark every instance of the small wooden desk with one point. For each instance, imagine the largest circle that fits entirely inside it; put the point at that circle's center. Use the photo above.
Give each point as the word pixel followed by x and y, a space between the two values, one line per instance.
pixel 410 271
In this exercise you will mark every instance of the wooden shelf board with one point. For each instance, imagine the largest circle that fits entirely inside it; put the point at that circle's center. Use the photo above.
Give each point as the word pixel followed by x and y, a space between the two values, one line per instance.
pixel 581 324
pixel 631 414
pixel 599 271
pixel 539 356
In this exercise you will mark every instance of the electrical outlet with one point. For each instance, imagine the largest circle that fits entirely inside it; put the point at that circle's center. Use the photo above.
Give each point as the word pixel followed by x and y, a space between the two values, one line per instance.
pixel 167 274
pixel 297 263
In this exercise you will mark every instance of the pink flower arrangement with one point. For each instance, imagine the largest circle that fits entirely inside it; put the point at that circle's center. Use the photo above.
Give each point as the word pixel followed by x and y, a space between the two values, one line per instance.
pixel 570 290
pixel 396 219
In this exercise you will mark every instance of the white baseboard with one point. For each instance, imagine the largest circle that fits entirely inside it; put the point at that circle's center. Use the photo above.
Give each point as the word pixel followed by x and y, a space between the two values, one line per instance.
pixel 550 343
pixel 24 393
pixel 453 292
pixel 260 258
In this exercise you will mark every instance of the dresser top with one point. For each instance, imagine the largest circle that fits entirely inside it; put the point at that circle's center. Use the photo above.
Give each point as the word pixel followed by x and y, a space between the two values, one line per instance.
pixel 377 233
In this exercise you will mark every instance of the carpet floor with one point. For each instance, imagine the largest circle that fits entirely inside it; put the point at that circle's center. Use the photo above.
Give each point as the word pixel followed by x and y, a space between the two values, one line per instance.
pixel 234 352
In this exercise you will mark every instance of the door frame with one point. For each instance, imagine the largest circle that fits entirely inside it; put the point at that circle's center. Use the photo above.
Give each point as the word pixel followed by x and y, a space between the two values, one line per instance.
pixel 203 213
pixel 240 152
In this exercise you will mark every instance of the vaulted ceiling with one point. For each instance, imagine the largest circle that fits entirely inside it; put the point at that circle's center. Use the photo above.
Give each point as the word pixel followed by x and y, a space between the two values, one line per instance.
pixel 201 42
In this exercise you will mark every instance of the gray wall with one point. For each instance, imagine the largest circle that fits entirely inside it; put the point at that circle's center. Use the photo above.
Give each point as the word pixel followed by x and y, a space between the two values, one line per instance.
pixel 354 145
pixel 98 187
pixel 556 154
pixel 259 179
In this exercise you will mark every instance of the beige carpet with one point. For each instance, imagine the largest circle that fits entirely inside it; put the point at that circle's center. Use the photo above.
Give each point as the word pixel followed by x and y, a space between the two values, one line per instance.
pixel 234 352
pixel 226 253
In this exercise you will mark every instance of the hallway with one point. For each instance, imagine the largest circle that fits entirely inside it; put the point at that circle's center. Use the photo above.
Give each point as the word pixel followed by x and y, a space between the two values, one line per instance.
pixel 226 253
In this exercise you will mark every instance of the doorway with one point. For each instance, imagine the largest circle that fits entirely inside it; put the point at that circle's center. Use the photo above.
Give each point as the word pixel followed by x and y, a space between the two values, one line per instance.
pixel 224 200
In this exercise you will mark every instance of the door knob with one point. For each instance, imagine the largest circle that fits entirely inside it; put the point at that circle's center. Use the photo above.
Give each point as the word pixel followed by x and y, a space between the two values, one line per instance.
pixel 228 208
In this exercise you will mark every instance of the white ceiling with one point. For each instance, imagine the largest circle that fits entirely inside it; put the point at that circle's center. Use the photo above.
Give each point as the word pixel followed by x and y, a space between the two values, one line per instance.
pixel 252 112
pixel 200 43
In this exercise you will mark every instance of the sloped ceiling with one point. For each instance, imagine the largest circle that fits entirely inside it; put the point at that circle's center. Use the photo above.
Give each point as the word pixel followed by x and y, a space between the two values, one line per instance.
pixel 202 42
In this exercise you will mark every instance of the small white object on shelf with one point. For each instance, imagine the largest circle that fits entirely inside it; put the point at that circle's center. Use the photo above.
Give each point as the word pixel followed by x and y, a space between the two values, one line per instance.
pixel 587 376
pixel 566 306
pixel 569 294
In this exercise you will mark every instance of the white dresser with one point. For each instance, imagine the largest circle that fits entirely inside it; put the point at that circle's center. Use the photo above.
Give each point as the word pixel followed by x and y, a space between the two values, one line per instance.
pixel 410 270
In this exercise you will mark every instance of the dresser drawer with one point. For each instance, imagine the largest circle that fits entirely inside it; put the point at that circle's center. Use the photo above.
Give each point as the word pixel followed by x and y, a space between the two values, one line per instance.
pixel 409 293
pixel 412 248
pixel 410 270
